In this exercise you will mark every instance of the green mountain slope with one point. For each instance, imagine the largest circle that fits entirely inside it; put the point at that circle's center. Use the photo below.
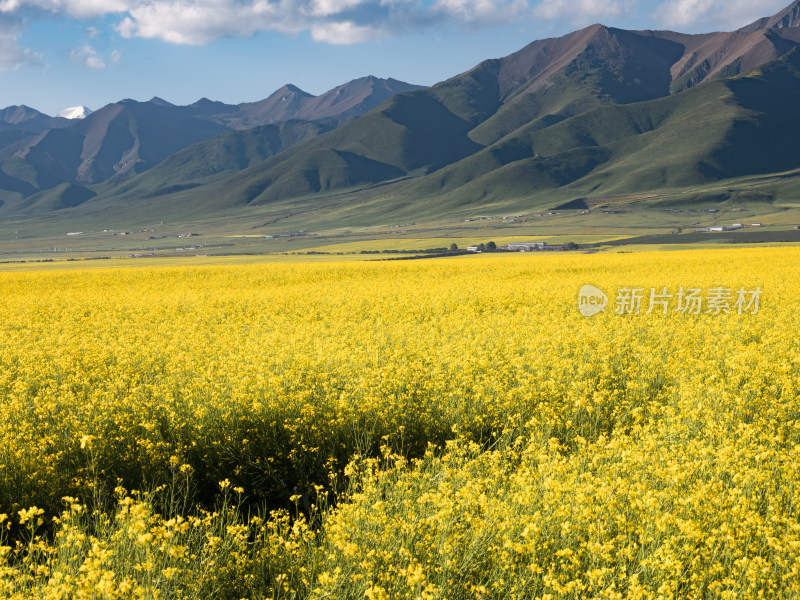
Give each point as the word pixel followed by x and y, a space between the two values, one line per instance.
pixel 613 145
pixel 420 132
pixel 721 130
pixel 612 67
pixel 123 138
pixel 214 158
pixel 411 134
pixel 600 112
pixel 128 138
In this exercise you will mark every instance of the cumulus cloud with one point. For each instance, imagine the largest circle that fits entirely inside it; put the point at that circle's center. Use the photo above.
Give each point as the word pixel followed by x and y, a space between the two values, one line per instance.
pixel 201 21
pixel 86 56
pixel 325 8
pixel 11 55
pixel 14 14
pixel 79 9
pixel 328 21
pixel 731 14
pixel 582 11
pixel 479 12
pixel 343 33
pixel 336 21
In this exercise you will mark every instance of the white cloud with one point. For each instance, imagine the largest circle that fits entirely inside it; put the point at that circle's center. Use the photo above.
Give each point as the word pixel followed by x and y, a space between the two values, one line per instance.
pixel 201 21
pixel 324 8
pixel 338 21
pixel 79 9
pixel 343 33
pixel 116 56
pixel 581 11
pixel 729 14
pixel 9 6
pixel 478 12
pixel 87 56
pixel 329 21
pixel 11 55
pixel 353 21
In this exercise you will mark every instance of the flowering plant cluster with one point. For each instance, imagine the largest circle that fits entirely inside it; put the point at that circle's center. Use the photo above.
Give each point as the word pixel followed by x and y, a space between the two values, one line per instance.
pixel 409 430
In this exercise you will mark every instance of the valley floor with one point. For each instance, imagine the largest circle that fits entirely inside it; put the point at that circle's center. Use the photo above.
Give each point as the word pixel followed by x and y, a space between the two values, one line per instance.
pixel 615 225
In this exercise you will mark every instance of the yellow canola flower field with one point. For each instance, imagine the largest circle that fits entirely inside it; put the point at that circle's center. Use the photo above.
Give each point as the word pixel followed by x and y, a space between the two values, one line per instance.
pixel 448 428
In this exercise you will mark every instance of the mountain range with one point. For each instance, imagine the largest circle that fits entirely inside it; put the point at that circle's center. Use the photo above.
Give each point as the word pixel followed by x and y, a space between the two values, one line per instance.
pixel 596 113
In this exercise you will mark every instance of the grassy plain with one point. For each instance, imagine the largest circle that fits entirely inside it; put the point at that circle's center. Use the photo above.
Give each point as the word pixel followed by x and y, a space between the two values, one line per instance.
pixel 290 229
pixel 449 428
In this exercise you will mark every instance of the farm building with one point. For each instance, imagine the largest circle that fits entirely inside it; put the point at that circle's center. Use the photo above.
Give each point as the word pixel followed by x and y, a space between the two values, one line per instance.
pixel 526 246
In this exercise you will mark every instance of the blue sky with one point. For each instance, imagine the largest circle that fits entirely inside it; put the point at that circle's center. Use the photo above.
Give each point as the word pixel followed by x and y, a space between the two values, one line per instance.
pixel 60 53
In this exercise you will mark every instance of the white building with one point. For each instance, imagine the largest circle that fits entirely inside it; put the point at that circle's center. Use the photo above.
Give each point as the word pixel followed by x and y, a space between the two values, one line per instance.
pixel 526 246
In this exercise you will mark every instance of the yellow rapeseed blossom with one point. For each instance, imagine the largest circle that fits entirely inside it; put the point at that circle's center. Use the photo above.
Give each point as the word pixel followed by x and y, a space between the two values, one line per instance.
pixel 449 429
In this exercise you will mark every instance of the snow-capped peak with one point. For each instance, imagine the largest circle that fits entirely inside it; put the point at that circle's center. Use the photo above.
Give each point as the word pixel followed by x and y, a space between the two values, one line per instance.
pixel 75 112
